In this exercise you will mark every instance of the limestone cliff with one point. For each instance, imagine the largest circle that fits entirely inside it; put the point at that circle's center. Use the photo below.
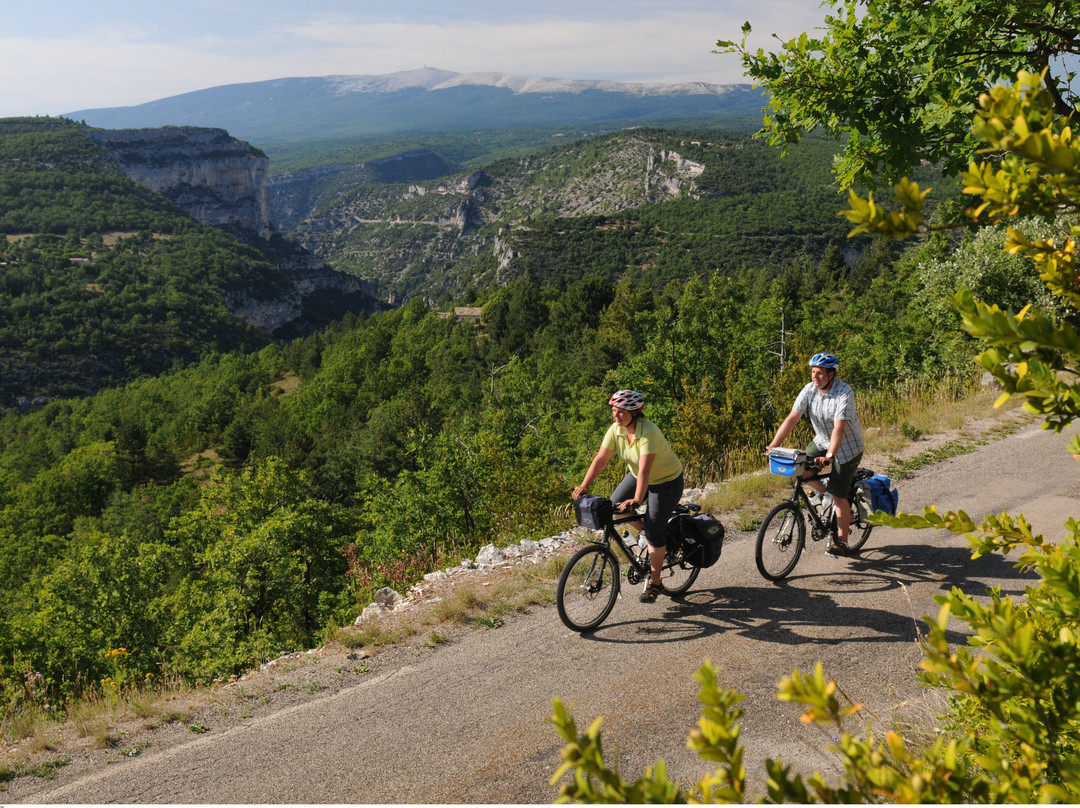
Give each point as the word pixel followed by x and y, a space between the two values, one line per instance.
pixel 406 237
pixel 216 178
pixel 221 181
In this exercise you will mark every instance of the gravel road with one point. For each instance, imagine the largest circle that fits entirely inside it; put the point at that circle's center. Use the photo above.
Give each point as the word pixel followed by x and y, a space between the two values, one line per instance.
pixel 465 722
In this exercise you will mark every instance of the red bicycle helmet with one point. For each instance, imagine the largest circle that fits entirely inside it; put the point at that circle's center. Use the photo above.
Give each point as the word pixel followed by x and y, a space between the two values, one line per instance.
pixel 627 400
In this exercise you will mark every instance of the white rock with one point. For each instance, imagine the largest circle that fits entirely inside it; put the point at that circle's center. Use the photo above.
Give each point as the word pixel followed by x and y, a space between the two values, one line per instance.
pixel 370 611
pixel 490 555
pixel 388 597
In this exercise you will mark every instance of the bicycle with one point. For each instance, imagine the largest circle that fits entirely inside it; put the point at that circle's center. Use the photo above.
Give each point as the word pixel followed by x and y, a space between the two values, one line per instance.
pixel 782 534
pixel 589 583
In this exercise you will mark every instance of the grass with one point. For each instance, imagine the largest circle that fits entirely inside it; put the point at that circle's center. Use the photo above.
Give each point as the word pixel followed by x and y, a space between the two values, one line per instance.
pixel 483 604
pixel 435 639
pixel 96 719
pixel 905 468
pixel 45 769
pixel 134 751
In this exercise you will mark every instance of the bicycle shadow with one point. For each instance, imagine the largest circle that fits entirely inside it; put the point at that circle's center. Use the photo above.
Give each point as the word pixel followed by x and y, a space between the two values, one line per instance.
pixel 948 565
pixel 785 615
pixel 826 608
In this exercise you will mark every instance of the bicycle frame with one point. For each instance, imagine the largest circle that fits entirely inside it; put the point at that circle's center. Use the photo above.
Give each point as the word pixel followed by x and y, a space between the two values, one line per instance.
pixel 639 563
pixel 819 528
pixel 639 569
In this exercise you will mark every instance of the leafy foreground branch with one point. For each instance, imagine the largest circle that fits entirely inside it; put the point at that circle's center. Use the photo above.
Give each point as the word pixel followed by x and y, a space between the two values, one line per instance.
pixel 1013 725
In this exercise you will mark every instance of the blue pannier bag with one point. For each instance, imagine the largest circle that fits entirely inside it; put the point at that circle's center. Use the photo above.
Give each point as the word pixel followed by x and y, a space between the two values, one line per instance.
pixel 883 497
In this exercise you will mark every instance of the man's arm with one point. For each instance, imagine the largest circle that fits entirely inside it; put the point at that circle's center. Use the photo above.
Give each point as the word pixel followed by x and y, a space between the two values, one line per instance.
pixel 785 429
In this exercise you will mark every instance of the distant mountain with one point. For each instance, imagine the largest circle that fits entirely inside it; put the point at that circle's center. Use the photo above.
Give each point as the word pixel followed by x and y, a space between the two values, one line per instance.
pixel 301 109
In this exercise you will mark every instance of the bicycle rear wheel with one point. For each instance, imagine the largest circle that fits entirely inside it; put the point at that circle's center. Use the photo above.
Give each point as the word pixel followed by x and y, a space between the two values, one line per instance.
pixel 861 507
pixel 678 574
pixel 780 541
pixel 588 587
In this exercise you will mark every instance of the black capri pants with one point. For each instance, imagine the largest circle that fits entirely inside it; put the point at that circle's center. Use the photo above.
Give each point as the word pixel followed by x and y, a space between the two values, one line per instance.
pixel 662 499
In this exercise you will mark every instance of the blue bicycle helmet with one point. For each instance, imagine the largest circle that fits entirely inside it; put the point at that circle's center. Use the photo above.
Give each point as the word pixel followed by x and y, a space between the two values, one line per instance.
pixel 824 360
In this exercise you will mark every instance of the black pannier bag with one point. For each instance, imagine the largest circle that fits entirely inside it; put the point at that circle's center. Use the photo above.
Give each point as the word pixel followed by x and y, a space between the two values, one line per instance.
pixel 702 539
pixel 593 512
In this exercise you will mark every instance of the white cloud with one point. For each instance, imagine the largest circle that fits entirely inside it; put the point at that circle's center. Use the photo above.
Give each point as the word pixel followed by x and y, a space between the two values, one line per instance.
pixel 162 52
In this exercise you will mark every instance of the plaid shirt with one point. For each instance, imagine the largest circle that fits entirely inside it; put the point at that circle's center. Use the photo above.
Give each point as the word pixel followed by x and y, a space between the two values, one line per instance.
pixel 838 404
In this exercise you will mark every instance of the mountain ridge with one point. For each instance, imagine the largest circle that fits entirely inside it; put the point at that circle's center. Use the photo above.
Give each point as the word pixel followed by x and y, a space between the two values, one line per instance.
pixel 433 79
pixel 602 207
pixel 323 107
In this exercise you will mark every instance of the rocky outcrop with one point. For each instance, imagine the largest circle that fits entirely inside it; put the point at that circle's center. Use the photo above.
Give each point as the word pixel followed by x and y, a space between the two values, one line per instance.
pixel 222 182
pixel 670 183
pixel 219 180
pixel 311 279
pixel 407 238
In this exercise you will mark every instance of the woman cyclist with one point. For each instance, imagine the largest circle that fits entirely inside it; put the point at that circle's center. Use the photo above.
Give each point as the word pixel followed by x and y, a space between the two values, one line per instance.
pixel 655 476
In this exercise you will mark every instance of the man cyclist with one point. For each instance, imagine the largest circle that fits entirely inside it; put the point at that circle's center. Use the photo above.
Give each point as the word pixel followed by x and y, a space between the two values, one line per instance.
pixel 838 437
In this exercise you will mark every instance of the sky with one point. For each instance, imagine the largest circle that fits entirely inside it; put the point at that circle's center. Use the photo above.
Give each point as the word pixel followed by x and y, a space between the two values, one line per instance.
pixel 59 56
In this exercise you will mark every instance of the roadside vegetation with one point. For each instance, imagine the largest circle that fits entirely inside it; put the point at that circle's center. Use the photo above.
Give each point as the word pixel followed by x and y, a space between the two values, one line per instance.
pixel 408 442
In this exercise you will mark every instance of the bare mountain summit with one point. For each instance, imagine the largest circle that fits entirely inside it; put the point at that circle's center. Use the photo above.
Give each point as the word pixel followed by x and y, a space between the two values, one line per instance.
pixel 430 100
pixel 433 79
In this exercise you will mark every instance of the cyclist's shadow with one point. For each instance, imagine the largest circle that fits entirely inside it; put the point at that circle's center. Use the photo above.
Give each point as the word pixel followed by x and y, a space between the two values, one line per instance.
pixel 785 614
pixel 805 609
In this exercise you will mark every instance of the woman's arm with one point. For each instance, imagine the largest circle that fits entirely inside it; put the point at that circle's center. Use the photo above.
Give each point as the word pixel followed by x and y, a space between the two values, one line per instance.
pixel 599 463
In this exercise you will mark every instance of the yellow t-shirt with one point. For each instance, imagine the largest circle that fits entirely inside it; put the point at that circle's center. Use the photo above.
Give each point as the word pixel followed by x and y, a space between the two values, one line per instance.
pixel 648 439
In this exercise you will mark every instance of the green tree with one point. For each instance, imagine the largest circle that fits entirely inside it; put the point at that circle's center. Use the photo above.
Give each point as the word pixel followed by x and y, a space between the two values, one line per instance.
pixel 899 81
pixel 269 570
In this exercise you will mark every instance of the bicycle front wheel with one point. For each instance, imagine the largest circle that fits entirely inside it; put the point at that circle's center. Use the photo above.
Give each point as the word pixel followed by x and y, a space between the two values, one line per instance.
pixel 679 574
pixel 588 587
pixel 780 541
